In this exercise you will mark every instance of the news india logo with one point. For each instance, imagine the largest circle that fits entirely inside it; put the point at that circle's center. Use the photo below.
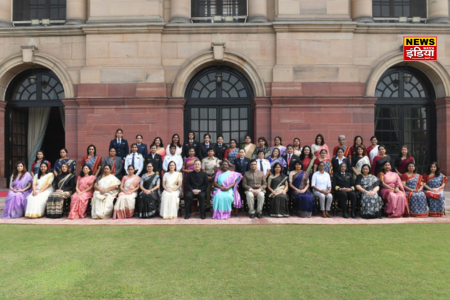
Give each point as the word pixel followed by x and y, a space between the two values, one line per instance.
pixel 419 48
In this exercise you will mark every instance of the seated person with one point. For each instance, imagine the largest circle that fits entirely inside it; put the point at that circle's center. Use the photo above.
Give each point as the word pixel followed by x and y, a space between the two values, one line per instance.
pixel 254 184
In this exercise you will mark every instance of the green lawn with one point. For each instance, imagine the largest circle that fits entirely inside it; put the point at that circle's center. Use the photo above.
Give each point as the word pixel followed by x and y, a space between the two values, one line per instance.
pixel 225 262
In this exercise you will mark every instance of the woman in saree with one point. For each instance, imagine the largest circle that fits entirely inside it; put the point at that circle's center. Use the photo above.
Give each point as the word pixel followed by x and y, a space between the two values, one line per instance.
pixel 297 146
pixel 393 193
pixel 278 145
pixel 299 184
pixel 368 186
pixel 93 160
pixel 40 158
pixel 188 167
pixel 402 161
pixel 231 154
pixel 357 141
pixel 434 184
pixel 42 188
pixel 126 202
pixel 276 158
pixel 308 159
pixel 327 162
pixel 413 185
pixel 225 192
pixel 262 145
pixel 63 186
pixel 19 189
pixel 248 146
pixel 84 190
pixel 64 159
pixel 372 150
pixel 358 160
pixel 106 189
pixel 159 147
pixel 114 162
pixel 148 201
pixel 170 200
pixel 177 142
pixel 318 145
pixel 380 160
pixel 278 185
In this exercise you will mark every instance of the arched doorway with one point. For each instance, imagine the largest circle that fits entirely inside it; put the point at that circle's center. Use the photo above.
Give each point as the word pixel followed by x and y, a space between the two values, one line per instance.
pixel 405 114
pixel 219 103
pixel 34 118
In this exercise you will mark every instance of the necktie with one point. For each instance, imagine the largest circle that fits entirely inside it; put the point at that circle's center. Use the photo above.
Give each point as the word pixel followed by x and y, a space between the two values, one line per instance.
pixel 132 160
pixel 289 159
pixel 207 146
pixel 220 145
pixel 190 143
pixel 260 165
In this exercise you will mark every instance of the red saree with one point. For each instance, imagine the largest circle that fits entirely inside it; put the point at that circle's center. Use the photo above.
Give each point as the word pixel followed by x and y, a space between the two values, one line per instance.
pixel 346 151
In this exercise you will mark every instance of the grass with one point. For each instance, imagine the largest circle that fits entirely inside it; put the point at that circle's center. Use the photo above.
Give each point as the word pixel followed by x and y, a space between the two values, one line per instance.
pixel 225 262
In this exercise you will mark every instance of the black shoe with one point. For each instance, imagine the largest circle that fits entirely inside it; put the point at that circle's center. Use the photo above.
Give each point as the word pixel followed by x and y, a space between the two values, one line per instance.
pixel 252 216
pixel 258 215
pixel 187 216
pixel 345 215
pixel 207 209
pixel 203 217
pixel 353 215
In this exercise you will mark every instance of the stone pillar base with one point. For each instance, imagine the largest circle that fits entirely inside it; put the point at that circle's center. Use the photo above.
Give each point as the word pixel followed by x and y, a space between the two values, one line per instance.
pixel 438 20
pixel 257 19
pixel 180 20
pixel 4 24
pixel 75 21
pixel 364 19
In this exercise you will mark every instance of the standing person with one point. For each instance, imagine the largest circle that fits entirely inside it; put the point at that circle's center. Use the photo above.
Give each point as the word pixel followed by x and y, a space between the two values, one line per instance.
pixel 278 186
pixel 275 157
pixel 106 189
pixel 148 201
pixel 142 148
pixel 321 185
pixel 254 184
pixel 209 165
pixel 40 158
pixel 357 141
pixel 177 142
pixel 220 148
pixel 225 193
pixel 93 160
pixel 196 185
pixel 372 150
pixel 191 143
pixel 413 185
pixel 359 159
pixel 205 146
pixel 248 146
pixel 393 192
pixel 19 189
pixel 64 159
pixel 231 154
pixel 159 147
pixel 126 202
pixel 327 162
pixel 368 186
pixel 299 184
pixel 84 190
pixel 341 140
pixel 319 144
pixel 120 145
pixel 297 146
pixel 63 186
pixel 263 164
pixel 172 156
pixel 278 144
pixel 134 159
pixel 188 167
pixel 42 188
pixel 155 159
pixel 344 187
pixel 114 162
pixel 291 159
pixel 379 160
pixel 308 159
pixel 262 145
pixel 170 200
pixel 339 160
pixel 435 183
pixel 242 163
pixel 402 161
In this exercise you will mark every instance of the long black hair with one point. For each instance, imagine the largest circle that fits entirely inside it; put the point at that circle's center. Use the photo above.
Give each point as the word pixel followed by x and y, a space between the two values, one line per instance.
pixel 438 169
pixel 265 141
pixel 323 140
pixel 179 140
pixel 274 166
pixel 40 172
pixel 82 173
pixel 411 163
pixel 95 150
pixel 302 155
pixel 277 137
pixel 354 141
pixel 161 145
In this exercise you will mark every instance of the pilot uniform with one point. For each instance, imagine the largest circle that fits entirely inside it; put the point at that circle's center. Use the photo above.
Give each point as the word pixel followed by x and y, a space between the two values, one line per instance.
pixel 135 159
pixel 121 147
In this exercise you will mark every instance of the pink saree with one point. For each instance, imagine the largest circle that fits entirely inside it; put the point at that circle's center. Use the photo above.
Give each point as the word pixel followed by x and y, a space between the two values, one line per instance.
pixel 79 203
pixel 397 205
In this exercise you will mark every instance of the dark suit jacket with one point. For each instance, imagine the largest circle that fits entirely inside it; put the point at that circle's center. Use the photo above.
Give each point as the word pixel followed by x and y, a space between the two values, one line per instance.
pixel 202 151
pixel 197 181
pixel 219 152
pixel 187 147
pixel 241 167
pixel 335 164
pixel 157 163
pixel 291 165
pixel 142 149
pixel 122 150
pixel 343 181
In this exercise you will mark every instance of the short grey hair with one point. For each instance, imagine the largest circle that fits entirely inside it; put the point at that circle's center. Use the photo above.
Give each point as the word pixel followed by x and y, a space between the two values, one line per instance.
pixel 341 137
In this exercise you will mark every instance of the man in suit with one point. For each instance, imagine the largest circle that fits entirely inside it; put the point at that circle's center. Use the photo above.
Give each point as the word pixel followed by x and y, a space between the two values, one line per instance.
pixel 219 148
pixel 291 159
pixel 142 148
pixel 155 159
pixel 204 147
pixel 241 163
pixel 192 143
pixel 254 184
pixel 121 147
pixel 196 185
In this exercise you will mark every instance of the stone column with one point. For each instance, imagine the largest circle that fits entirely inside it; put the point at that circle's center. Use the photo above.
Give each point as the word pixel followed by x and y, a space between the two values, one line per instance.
pixel 76 12
pixel 180 11
pixel 362 11
pixel 257 11
pixel 5 13
pixel 3 164
pixel 438 11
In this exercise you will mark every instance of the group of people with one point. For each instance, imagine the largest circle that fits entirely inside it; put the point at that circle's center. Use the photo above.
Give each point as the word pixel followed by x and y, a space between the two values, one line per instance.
pixel 148 184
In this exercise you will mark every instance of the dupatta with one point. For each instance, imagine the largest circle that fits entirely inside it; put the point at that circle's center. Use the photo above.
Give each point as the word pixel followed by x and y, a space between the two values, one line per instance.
pixel 373 153
pixel 310 165
pixel 435 184
pixel 231 178
pixel 249 149
pixel 317 152
pixel 300 180
pixel 280 187
pixel 95 163
pixel 401 167
pixel 419 182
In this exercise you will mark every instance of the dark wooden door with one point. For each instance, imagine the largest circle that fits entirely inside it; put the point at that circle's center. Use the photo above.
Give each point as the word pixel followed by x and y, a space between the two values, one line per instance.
pixel 17 135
